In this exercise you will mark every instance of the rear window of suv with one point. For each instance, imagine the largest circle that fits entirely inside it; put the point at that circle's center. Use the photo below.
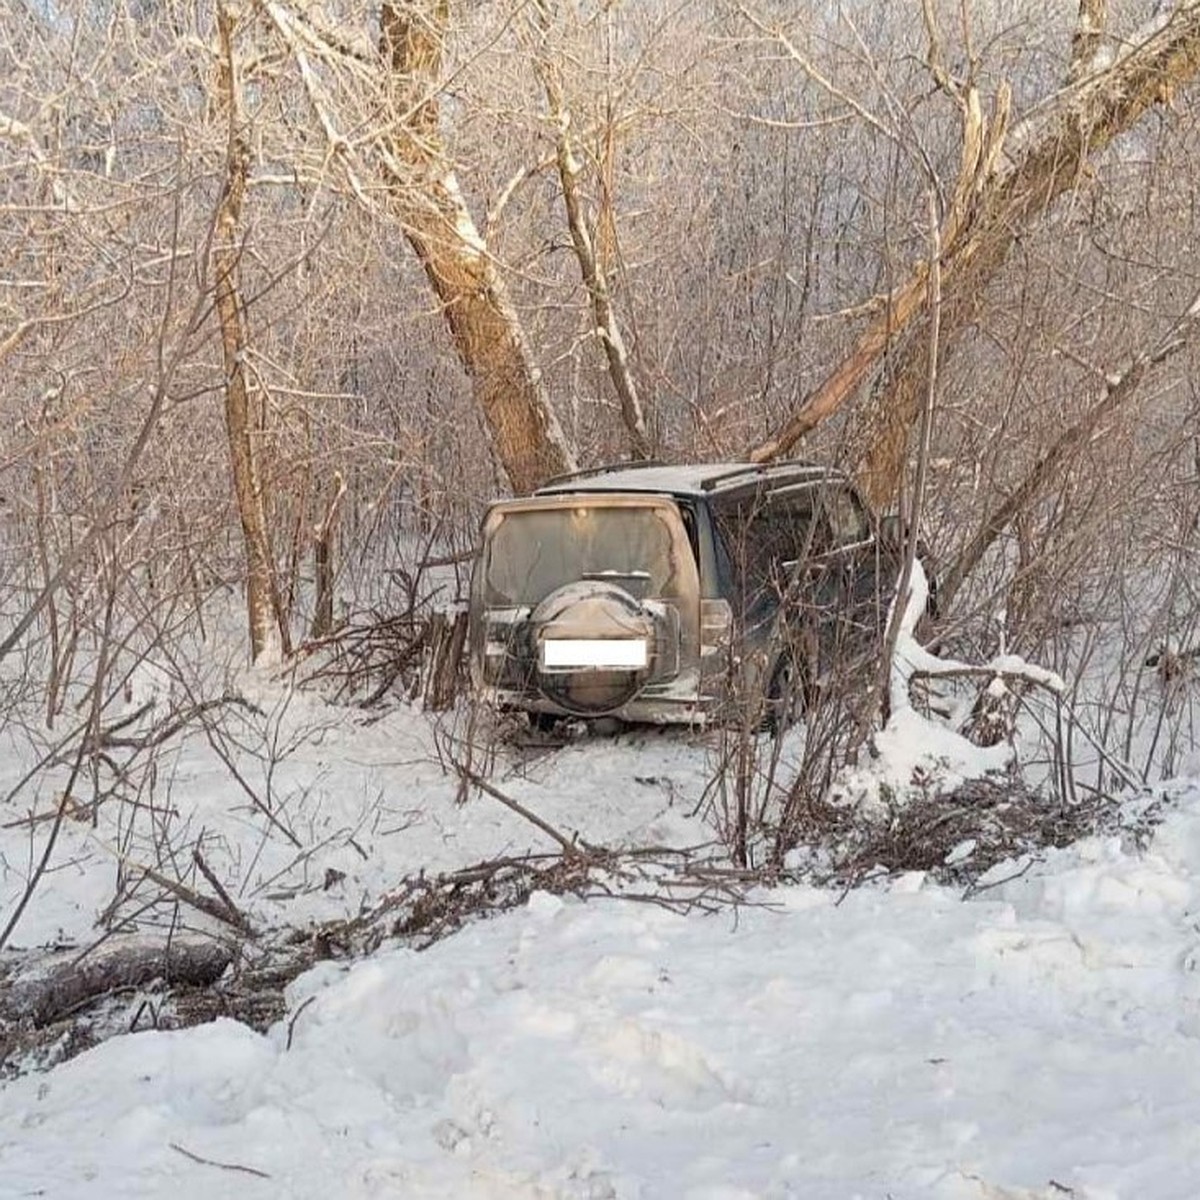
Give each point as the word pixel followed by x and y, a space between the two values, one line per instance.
pixel 533 552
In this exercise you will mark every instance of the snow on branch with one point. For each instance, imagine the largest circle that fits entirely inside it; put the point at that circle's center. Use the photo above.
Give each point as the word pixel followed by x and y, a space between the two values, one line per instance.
pixel 911 660
pixel 914 748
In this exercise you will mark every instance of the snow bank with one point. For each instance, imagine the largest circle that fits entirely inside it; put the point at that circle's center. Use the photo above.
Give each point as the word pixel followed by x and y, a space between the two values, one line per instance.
pixel 1042 1040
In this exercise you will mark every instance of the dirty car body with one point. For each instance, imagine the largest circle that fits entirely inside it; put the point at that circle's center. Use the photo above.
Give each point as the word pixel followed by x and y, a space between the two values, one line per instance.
pixel 665 593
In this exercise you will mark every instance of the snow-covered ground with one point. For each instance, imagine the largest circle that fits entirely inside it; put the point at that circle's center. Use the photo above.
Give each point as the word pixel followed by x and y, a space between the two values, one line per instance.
pixel 1037 1039
pixel 327 788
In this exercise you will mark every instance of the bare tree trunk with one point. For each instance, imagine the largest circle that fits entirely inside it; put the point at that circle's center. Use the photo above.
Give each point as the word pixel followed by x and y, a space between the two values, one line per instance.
pixel 1004 187
pixel 594 276
pixel 425 195
pixel 323 562
pixel 244 418
pixel 447 638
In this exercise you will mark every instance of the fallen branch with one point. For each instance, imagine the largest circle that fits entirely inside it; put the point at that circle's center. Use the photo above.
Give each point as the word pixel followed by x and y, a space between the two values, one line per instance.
pixel 212 1162
pixel 570 846
pixel 960 836
pixel 217 909
pixel 109 738
pixel 234 916
pixel 53 1011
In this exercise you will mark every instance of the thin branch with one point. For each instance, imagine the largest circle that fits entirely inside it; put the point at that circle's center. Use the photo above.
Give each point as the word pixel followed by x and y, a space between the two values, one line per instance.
pixel 570 846
pixel 167 366
pixel 235 915
pixel 935 57
pixel 1117 391
pixel 913 532
pixel 212 1162
pixel 819 78
pixel 338 145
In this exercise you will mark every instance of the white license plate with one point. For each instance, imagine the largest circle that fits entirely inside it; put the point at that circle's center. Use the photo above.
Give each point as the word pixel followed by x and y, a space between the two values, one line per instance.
pixel 565 653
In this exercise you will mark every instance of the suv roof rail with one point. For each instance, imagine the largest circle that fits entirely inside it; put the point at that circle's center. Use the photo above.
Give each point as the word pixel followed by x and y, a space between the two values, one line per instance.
pixel 635 465
pixel 758 470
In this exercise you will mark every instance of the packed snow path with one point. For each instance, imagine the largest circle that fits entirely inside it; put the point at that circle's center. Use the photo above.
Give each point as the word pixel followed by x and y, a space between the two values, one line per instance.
pixel 1041 1040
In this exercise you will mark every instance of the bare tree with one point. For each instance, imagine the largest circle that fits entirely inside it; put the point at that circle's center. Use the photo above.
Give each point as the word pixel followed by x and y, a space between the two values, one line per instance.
pixel 404 154
pixel 423 187
pixel 595 278
pixel 1009 177
pixel 245 415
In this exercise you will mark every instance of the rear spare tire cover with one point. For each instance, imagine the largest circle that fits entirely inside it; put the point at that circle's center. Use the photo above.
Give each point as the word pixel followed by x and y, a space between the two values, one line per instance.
pixel 591 613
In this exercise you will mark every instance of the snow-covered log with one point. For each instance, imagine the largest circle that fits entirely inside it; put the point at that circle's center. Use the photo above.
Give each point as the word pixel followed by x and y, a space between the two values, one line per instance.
pixel 58 985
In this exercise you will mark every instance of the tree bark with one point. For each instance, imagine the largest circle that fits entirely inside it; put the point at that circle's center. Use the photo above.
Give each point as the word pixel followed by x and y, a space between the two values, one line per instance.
pixel 425 195
pixel 447 638
pixel 1013 180
pixel 324 537
pixel 1088 39
pixel 66 982
pixel 244 417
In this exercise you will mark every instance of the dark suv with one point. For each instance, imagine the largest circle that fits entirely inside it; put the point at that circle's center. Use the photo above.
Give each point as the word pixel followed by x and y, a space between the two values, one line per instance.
pixel 666 593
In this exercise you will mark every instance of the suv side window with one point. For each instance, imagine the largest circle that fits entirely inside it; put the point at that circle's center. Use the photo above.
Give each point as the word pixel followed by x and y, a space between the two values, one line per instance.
pixel 763 536
pixel 792 517
pixel 847 521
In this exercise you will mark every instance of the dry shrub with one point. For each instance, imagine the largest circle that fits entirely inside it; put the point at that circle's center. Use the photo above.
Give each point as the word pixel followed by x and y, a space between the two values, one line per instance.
pixel 956 836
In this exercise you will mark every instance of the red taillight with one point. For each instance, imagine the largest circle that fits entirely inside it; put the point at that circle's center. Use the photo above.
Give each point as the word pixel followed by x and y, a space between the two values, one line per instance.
pixel 716 624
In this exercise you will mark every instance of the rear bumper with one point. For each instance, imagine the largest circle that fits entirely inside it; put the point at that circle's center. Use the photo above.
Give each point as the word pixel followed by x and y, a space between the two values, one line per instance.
pixel 680 702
